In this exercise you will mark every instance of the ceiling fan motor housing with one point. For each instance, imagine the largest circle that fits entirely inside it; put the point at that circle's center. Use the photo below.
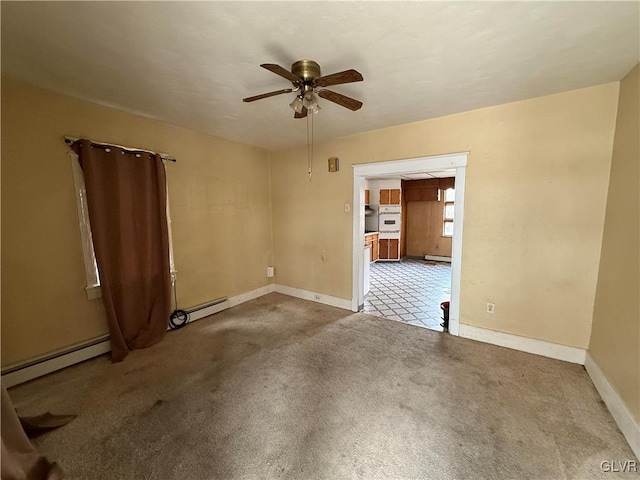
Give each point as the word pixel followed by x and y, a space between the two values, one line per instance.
pixel 308 70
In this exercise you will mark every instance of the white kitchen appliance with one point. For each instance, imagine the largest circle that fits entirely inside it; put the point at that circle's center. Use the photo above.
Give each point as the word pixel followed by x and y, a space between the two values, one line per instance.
pixel 389 222
pixel 389 219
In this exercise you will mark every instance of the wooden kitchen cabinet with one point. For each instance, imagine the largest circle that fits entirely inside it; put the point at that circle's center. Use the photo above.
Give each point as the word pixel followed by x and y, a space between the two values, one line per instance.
pixel 389 249
pixel 389 196
pixel 371 240
pixel 394 249
pixel 384 249
pixel 366 197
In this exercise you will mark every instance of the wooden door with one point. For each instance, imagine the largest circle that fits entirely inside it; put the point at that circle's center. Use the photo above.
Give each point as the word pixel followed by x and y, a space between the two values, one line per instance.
pixel 384 249
pixel 366 197
pixel 384 197
pixel 394 196
pixel 394 249
pixel 424 230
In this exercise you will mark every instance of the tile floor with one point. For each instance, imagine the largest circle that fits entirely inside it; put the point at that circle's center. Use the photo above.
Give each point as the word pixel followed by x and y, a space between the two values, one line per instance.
pixel 410 291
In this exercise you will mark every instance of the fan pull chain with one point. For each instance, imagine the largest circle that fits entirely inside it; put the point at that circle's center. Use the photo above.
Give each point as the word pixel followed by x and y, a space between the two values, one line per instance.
pixel 310 143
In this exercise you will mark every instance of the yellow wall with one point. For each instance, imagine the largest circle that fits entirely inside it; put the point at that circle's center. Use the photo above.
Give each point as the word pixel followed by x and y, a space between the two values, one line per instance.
pixel 615 336
pixel 534 213
pixel 220 206
pixel 535 201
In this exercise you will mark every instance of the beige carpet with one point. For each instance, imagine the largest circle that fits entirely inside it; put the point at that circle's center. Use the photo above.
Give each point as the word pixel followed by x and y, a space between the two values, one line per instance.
pixel 284 388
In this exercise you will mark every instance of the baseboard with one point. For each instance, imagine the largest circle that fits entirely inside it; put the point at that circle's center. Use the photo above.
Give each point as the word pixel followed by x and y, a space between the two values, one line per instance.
pixel 437 258
pixel 314 297
pixel 34 368
pixel 619 411
pixel 524 344
pixel 251 295
pixel 230 302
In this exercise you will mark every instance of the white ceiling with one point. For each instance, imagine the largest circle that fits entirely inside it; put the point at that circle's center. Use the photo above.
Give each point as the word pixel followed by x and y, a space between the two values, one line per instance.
pixel 191 63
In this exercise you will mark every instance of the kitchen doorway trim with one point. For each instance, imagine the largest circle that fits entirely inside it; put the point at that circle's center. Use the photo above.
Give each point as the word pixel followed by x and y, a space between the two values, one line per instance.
pixel 404 167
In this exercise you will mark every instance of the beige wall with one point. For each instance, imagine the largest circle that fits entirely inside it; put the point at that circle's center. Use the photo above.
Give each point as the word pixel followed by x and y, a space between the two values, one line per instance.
pixel 615 336
pixel 219 197
pixel 534 213
pixel 535 201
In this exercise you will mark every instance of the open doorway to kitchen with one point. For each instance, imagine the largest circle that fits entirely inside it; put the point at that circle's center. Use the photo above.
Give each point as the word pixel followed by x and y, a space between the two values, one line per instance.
pixel 408 218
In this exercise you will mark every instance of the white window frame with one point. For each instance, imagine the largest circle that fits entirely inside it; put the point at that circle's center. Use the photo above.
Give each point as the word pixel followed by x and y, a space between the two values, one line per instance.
pixel 92 287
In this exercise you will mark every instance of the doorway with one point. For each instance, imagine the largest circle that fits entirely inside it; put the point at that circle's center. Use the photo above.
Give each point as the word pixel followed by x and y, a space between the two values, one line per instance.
pixel 410 274
pixel 455 162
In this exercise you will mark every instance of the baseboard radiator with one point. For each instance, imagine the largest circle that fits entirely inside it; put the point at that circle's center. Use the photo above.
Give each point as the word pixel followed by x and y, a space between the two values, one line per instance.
pixel 28 370
pixel 208 308
pixel 437 258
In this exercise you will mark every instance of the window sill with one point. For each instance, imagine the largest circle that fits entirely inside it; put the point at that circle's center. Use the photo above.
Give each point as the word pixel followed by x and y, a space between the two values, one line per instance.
pixel 93 292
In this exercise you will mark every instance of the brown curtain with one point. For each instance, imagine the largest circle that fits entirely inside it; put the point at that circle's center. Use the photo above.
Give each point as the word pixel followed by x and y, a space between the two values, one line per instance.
pixel 126 198
pixel 20 460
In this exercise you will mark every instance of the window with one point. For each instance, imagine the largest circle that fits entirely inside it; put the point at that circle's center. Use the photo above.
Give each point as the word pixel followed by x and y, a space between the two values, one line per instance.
pixel 90 264
pixel 448 212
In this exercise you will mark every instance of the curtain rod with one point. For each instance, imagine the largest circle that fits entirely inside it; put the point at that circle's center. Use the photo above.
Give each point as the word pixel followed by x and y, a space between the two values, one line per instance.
pixel 164 156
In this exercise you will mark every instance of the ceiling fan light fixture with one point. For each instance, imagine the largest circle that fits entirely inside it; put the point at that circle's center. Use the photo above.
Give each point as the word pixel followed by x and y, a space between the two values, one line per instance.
pixel 297 105
pixel 315 108
pixel 310 100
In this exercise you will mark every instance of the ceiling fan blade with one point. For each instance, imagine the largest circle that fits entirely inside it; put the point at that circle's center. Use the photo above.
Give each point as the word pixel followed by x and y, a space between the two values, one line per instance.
pixel 267 95
pixel 343 100
pixel 302 114
pixel 283 72
pixel 348 76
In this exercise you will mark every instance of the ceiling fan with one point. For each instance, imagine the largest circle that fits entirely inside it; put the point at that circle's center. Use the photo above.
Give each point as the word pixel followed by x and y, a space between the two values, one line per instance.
pixel 307 80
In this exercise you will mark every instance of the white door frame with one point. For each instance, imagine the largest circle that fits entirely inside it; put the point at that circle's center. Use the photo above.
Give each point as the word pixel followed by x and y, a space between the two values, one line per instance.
pixel 401 167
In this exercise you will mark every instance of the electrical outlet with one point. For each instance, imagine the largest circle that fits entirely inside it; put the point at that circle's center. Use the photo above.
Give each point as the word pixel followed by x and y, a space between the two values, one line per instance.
pixel 347 207
pixel 270 272
pixel 316 297
pixel 491 307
